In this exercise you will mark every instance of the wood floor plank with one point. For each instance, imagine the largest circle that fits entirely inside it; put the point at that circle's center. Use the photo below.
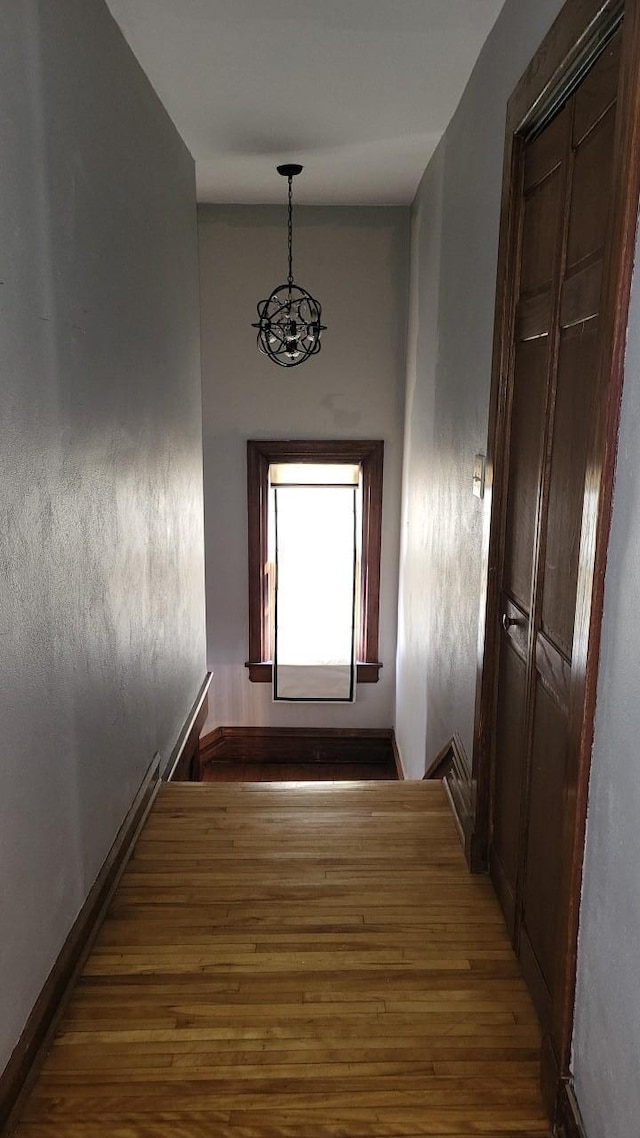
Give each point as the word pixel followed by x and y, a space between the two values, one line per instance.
pixel 305 961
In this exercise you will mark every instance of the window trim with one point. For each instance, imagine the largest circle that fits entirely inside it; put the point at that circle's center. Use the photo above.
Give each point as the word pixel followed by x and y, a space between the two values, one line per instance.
pixel 369 454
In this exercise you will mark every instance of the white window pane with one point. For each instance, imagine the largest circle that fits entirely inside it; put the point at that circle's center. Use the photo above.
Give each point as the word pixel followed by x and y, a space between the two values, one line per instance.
pixel 315 574
pixel 316 564
pixel 314 474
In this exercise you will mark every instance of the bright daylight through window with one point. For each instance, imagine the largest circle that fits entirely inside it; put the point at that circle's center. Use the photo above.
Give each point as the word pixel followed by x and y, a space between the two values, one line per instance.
pixel 314 556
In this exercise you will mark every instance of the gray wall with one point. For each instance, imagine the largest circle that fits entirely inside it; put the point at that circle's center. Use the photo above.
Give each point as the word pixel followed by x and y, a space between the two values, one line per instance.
pixel 454 256
pixel 419 562
pixel 606 1059
pixel 356 262
pixel 101 610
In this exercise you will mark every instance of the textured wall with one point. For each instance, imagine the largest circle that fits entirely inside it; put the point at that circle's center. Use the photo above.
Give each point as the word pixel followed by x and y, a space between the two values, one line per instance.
pixel 101 611
pixel 607 1026
pixel 419 531
pixel 356 262
pixel 456 219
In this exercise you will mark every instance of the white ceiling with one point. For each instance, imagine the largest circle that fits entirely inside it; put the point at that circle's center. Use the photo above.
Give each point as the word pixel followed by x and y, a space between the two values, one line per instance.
pixel 358 91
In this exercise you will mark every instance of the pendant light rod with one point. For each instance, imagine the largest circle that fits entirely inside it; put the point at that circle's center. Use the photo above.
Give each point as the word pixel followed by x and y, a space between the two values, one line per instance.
pixel 290 245
pixel 289 171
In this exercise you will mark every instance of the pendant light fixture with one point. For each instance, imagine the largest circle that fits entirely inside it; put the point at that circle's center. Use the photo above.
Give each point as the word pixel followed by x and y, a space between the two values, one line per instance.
pixel 289 325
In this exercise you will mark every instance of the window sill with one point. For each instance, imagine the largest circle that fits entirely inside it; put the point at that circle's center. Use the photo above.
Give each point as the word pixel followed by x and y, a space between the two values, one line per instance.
pixel 262 672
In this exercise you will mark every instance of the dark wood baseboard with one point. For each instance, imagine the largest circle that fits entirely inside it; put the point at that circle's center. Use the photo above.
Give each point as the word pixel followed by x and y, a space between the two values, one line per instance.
pixel 183 765
pixel 503 891
pixel 442 764
pixel 558 1095
pixel 35 1039
pixel 453 767
pixel 397 758
pixel 296 745
pixel 569 1122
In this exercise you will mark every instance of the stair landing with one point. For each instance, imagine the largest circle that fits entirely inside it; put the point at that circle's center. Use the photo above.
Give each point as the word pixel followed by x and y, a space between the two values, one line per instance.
pixel 304 961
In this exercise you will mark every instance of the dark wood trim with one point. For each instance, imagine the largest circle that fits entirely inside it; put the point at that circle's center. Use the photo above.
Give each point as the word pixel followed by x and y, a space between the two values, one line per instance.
pixel 569 1120
pixel 442 764
pixel 452 766
pixel 296 745
pixel 260 647
pixel 262 673
pixel 579 28
pixel 210 744
pixel 368 673
pixel 397 758
pixel 36 1037
pixel 372 480
pixel 572 37
pixel 260 454
pixel 183 762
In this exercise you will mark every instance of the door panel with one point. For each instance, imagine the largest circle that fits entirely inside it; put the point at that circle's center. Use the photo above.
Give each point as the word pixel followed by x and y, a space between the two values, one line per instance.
pixel 581 293
pixel 564 221
pixel 527 421
pixel 547 152
pixel 544 836
pixel 571 432
pixel 540 232
pixel 590 208
pixel 545 177
pixel 598 90
pixel 553 671
pixel 509 774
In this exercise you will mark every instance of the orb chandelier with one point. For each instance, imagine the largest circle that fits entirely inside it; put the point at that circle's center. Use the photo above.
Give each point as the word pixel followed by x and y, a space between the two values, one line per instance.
pixel 289 324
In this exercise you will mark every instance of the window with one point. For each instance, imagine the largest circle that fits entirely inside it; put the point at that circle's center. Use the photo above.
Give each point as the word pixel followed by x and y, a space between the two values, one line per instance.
pixel 282 463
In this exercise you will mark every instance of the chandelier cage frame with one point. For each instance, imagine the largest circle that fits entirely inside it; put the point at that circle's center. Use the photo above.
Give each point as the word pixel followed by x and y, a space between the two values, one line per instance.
pixel 290 319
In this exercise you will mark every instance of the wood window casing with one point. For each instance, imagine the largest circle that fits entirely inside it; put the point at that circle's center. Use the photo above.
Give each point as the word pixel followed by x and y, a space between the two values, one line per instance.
pixel 368 454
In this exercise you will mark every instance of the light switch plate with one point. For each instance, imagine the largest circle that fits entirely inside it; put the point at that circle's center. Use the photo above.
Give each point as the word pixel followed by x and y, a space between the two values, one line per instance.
pixel 478 475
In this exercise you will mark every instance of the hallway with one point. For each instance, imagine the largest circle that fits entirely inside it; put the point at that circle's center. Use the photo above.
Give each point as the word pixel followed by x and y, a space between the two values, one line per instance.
pixel 296 962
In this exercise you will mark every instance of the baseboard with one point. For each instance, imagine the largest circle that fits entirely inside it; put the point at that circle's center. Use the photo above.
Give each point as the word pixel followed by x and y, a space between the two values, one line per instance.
pixel 297 745
pixel 397 758
pixel 442 764
pixel 452 766
pixel 36 1036
pixel 183 764
pixel 569 1122
pixel 558 1094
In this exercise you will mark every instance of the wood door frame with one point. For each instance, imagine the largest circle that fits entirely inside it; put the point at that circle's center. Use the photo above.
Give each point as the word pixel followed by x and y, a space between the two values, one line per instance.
pixel 552 72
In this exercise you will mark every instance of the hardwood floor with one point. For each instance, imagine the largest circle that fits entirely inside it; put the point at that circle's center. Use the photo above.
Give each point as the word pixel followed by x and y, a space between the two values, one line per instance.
pixel 303 962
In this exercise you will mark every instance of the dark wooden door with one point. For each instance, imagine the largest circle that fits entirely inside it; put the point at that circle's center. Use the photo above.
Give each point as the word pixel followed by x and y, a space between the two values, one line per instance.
pixel 564 220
